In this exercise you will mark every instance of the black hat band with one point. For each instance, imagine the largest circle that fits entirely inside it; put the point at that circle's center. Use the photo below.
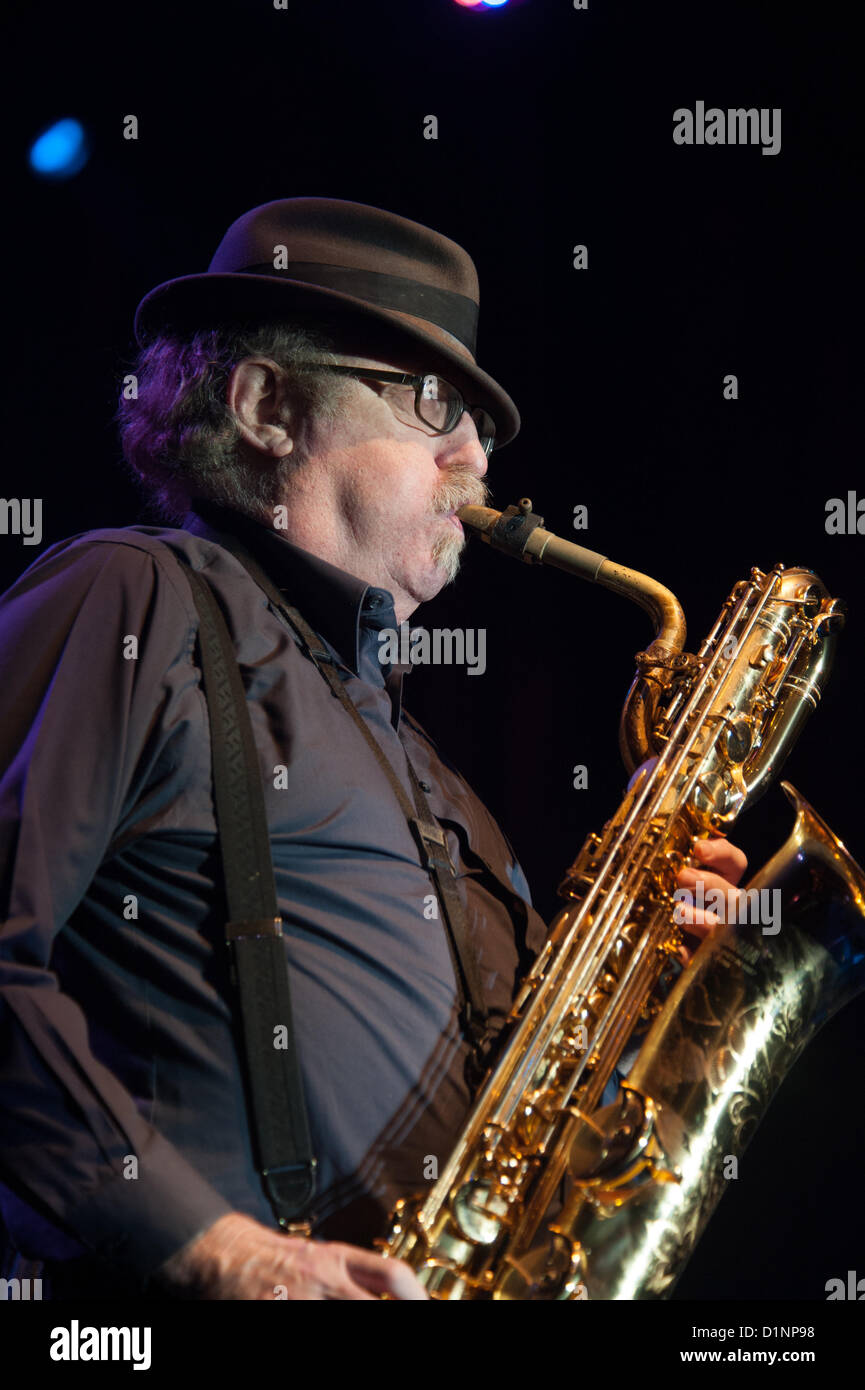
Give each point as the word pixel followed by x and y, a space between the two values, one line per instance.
pixel 455 313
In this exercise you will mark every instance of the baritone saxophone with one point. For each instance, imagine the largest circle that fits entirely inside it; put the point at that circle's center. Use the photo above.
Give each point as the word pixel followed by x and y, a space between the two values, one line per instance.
pixel 548 1193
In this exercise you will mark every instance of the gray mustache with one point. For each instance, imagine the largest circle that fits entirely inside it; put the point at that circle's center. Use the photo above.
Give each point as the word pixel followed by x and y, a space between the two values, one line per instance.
pixel 467 491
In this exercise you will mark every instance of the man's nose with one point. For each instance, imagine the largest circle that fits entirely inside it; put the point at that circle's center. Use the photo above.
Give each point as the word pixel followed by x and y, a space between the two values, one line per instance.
pixel 462 448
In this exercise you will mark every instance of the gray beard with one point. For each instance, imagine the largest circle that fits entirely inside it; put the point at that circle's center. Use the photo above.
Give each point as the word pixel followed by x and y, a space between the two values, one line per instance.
pixel 446 553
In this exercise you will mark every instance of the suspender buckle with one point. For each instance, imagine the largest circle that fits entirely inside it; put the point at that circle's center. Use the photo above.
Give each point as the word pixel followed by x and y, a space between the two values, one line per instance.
pixel 297 1228
pixel 290 1189
pixel 431 838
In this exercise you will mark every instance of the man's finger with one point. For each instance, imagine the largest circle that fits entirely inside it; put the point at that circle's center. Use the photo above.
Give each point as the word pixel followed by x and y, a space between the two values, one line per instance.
pixel 380 1276
pixel 699 921
pixel 724 899
pixel 725 859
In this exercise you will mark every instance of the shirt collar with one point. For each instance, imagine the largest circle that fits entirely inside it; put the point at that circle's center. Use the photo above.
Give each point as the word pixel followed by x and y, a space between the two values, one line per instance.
pixel 337 605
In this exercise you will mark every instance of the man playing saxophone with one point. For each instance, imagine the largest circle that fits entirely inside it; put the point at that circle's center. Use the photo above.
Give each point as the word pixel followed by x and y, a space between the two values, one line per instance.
pixel 315 396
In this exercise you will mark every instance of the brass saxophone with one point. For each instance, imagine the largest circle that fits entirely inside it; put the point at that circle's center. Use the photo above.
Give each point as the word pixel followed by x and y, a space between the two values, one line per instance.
pixel 546 1196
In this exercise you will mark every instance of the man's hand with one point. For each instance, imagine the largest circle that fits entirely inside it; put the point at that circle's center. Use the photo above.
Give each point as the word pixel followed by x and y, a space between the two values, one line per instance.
pixel 725 865
pixel 238 1258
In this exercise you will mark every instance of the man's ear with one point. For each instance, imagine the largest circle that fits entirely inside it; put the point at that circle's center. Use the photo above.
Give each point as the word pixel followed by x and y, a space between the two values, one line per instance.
pixel 257 397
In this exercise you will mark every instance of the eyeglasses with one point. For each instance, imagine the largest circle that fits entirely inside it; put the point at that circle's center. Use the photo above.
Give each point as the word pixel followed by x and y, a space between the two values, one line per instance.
pixel 437 403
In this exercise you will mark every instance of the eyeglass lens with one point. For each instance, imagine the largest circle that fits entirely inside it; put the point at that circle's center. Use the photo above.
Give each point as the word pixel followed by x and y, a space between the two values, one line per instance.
pixel 441 405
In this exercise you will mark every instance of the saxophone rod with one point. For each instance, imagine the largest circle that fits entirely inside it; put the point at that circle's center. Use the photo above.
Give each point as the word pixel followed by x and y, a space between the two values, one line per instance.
pixel 520 532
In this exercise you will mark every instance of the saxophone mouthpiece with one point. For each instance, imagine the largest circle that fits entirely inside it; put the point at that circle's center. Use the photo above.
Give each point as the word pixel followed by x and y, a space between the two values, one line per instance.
pixel 520 532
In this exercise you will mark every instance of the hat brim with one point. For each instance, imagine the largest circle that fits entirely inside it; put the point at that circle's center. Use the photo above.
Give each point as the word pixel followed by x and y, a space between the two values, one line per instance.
pixel 201 301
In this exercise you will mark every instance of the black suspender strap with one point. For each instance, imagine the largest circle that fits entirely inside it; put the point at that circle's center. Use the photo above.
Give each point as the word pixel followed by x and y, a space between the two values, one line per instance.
pixel 424 827
pixel 254 930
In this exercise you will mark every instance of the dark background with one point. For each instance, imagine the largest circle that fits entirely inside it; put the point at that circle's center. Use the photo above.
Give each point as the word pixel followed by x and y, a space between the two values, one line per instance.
pixel 555 128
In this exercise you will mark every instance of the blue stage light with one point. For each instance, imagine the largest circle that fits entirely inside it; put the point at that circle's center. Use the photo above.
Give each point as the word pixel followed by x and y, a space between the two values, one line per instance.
pixel 60 151
pixel 494 4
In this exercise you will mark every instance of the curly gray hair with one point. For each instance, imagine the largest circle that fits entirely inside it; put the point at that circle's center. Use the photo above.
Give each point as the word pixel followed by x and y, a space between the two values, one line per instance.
pixel 179 436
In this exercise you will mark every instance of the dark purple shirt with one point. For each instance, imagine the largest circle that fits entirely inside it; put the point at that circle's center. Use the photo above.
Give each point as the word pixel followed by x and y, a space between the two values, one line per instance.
pixel 124 1131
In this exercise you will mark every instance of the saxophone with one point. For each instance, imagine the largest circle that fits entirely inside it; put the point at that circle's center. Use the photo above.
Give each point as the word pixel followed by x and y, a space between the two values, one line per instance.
pixel 546 1195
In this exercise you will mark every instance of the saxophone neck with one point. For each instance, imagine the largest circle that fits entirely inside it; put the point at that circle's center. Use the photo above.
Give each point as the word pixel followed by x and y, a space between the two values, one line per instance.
pixel 519 532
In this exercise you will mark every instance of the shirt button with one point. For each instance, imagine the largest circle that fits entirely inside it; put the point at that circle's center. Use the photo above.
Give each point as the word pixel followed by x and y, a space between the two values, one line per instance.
pixel 424 786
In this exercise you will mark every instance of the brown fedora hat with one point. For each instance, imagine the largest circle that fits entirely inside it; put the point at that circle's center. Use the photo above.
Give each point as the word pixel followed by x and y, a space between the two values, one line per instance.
pixel 376 278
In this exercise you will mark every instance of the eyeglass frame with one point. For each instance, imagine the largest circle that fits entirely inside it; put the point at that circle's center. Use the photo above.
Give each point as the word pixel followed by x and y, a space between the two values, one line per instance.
pixel 410 379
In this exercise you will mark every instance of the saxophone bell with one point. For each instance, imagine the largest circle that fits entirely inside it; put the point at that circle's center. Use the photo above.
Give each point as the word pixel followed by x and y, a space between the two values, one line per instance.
pixel 739 1016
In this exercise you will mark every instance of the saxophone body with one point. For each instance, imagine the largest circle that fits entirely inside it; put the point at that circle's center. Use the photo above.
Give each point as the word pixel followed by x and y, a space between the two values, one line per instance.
pixel 548 1193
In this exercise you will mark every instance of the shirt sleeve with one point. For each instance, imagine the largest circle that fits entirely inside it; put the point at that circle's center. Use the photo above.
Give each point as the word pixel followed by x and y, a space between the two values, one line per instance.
pixel 78 713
